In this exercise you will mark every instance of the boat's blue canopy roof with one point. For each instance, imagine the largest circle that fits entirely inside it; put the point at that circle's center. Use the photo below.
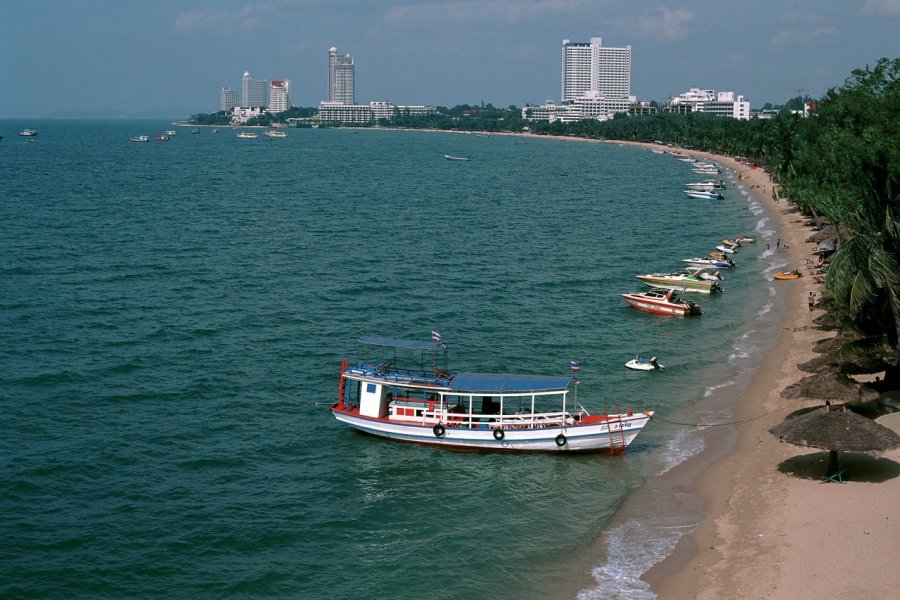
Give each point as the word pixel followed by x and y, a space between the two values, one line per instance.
pixel 491 383
pixel 375 340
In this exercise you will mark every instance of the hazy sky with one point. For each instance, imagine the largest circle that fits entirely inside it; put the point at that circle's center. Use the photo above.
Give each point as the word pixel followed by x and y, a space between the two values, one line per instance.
pixel 78 55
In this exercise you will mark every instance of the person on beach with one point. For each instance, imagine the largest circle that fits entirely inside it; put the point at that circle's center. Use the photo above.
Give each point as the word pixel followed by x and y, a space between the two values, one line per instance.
pixel 812 300
pixel 778 243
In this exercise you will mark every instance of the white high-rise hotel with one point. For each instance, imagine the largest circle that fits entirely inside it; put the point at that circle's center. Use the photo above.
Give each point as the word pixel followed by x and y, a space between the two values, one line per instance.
pixel 592 72
pixel 279 95
pixel 340 77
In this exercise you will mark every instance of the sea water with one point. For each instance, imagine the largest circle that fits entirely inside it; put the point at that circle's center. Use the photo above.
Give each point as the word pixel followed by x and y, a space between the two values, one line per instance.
pixel 174 315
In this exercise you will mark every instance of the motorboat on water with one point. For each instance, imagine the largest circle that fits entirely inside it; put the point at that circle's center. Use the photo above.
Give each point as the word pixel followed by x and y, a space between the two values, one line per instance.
pixel 662 301
pixel 171 132
pixel 709 184
pixel 723 263
pixel 139 138
pixel 402 390
pixel 685 280
pixel 644 363
pixel 726 249
pixel 275 133
pixel 247 135
pixel 451 157
pixel 161 138
pixel 28 133
pixel 705 273
pixel 704 195
pixel 744 240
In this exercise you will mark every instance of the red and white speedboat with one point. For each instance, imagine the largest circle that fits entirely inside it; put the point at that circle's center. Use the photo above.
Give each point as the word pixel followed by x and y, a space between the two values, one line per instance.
pixel 402 390
pixel 662 302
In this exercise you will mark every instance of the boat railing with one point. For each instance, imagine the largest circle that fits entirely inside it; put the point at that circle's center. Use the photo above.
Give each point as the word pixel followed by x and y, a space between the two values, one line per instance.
pixel 522 420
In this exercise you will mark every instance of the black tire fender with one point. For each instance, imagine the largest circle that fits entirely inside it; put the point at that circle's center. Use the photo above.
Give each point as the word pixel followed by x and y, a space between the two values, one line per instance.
pixel 499 435
pixel 438 430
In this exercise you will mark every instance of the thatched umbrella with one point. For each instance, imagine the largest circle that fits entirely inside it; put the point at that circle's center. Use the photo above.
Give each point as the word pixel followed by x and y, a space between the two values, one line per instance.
pixel 835 429
pixel 829 386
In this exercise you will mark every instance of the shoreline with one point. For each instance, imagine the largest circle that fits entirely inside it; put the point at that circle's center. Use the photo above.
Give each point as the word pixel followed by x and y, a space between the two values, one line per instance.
pixel 771 534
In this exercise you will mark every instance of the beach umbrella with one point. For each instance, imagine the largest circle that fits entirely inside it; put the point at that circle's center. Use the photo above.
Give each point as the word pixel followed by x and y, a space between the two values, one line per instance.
pixel 836 429
pixel 829 386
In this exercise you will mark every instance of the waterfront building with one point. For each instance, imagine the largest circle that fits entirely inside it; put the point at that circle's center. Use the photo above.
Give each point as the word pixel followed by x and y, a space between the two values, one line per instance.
pixel 340 77
pixel 279 95
pixel 253 91
pixel 338 112
pixel 227 98
pixel 723 104
pixel 242 114
pixel 596 77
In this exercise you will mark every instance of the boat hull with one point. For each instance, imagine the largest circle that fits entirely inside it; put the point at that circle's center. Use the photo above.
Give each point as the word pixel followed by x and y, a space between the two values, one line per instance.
pixel 660 308
pixel 688 285
pixel 575 438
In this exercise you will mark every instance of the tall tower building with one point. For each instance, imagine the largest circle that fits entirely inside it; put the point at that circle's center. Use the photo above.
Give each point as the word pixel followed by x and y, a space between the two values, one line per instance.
pixel 279 95
pixel 592 70
pixel 340 77
pixel 227 98
pixel 253 91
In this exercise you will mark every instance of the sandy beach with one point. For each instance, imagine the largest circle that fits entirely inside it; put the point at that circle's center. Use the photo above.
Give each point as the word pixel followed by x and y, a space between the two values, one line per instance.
pixel 772 529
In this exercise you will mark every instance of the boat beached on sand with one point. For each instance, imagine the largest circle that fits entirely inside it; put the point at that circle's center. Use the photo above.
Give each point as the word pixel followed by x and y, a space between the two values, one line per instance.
pixel 661 301
pixel 402 390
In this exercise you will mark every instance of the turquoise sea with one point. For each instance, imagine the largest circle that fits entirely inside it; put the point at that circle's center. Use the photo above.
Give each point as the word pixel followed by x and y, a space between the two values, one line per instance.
pixel 173 317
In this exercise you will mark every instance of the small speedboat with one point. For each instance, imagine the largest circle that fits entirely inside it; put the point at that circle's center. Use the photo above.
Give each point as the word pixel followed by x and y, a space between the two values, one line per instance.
pixel 703 195
pixel 161 138
pixel 451 157
pixel 643 363
pixel 726 249
pixel 139 138
pixel 744 240
pixel 660 301
pixel 795 274
pixel 171 132
pixel 28 132
pixel 718 263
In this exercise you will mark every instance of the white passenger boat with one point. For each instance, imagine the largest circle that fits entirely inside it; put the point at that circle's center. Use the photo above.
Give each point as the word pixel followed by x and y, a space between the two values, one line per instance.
pixel 725 263
pixel 247 135
pixel 402 390
pixel 709 184
pixel 275 133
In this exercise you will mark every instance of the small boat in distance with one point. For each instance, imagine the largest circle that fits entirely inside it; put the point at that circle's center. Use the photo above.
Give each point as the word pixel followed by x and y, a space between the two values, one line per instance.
pixel 275 133
pixel 28 132
pixel 195 130
pixel 247 135
pixel 664 302
pixel 139 138
pixel 402 390
pixel 726 249
pixel 171 132
pixel 161 138
pixel 643 363
pixel 451 157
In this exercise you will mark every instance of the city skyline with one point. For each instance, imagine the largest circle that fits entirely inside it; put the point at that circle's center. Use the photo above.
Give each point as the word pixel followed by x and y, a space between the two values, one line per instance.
pixel 58 57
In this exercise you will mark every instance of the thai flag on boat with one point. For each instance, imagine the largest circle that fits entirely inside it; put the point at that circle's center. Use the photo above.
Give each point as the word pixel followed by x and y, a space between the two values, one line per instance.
pixel 574 365
pixel 436 336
